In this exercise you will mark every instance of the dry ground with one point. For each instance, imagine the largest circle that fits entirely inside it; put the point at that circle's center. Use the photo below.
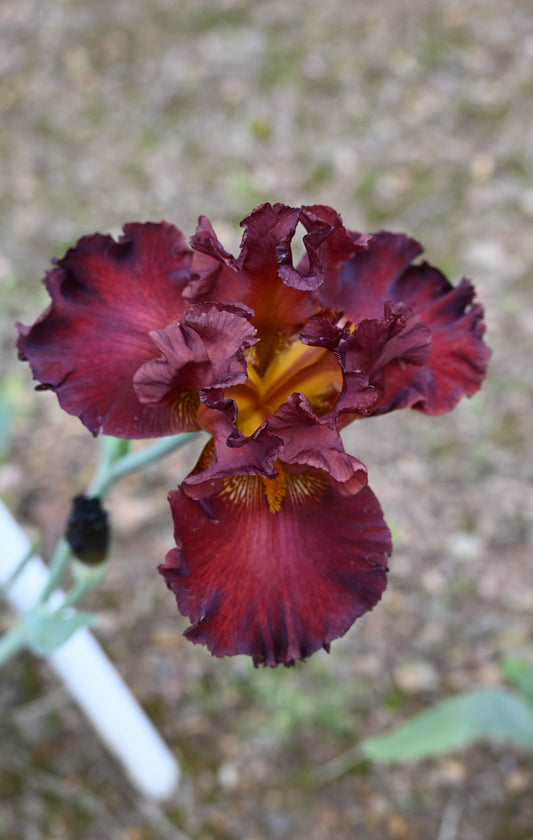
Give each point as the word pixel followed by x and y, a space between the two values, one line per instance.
pixel 404 114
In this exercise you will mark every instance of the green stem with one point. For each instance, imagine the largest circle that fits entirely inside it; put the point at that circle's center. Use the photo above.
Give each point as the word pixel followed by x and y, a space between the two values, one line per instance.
pixel 76 592
pixel 57 569
pixel 85 579
pixel 110 471
pixel 110 452
pixel 115 462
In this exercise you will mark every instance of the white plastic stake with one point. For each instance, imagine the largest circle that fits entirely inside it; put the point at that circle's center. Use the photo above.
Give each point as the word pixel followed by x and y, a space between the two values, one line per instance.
pixel 92 680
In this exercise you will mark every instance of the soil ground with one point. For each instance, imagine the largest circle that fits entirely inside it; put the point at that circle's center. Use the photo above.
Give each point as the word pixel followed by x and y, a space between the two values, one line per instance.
pixel 410 115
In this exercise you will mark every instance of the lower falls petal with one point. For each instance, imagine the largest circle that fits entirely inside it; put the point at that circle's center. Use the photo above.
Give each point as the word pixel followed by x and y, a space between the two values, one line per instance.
pixel 276 575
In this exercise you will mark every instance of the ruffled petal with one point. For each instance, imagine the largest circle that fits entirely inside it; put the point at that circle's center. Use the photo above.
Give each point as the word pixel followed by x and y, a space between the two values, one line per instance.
pixel 364 282
pixel 276 586
pixel 253 277
pixel 106 298
pixel 268 231
pixel 457 362
pixel 327 243
pixel 315 442
pixel 229 452
pixel 371 355
pixel 205 350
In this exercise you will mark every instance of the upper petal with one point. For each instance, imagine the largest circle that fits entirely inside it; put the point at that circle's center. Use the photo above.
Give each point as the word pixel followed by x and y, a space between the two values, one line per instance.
pixel 327 243
pixel 253 277
pixel 458 358
pixel 371 354
pixel 106 298
pixel 364 282
pixel 276 586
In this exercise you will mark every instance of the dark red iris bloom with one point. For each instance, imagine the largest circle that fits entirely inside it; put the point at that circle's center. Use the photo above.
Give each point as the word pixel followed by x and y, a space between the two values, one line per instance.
pixel 280 543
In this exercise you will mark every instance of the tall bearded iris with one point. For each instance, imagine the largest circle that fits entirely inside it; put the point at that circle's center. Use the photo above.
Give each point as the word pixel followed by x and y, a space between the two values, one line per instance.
pixel 280 544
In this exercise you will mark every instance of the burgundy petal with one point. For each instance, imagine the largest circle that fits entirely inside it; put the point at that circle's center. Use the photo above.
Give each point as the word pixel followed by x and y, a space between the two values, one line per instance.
pixel 106 298
pixel 215 272
pixel 268 233
pixel 205 350
pixel 364 283
pixel 457 363
pixel 276 586
pixel 314 442
pixel 205 241
pixel 328 244
pixel 321 332
pixel 253 277
pixel 230 452
pixel 371 354
pixel 458 360
pixel 374 352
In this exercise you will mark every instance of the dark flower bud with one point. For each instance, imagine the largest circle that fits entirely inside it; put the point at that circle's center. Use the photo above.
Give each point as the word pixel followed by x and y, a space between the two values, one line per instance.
pixel 87 530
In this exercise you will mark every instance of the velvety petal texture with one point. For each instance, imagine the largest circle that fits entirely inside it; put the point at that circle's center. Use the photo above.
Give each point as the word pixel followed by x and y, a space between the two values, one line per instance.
pixel 204 350
pixel 457 361
pixel 276 586
pixel 281 545
pixel 107 297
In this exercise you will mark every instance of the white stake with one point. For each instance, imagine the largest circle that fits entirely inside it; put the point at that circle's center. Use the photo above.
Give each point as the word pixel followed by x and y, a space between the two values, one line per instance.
pixel 92 680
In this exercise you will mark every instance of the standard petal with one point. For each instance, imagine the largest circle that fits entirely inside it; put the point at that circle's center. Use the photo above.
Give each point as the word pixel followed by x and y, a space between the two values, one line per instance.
pixel 268 231
pixel 372 356
pixel 457 362
pixel 363 284
pixel 253 277
pixel 276 586
pixel 328 244
pixel 106 297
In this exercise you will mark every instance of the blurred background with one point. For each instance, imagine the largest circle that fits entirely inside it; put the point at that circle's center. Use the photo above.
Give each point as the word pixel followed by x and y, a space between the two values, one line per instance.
pixel 410 115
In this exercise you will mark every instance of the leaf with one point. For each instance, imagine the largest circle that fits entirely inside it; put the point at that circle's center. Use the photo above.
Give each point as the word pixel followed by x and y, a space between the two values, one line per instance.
pixel 519 671
pixel 46 631
pixel 497 714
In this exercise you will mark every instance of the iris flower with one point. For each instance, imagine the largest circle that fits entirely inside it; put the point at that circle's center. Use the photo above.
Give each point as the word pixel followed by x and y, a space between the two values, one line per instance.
pixel 280 543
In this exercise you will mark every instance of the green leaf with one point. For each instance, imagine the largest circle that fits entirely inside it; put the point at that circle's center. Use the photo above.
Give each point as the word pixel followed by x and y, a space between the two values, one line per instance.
pixel 519 671
pixel 497 714
pixel 46 631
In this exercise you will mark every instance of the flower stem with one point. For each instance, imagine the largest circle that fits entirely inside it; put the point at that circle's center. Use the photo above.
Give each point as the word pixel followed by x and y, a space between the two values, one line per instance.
pixel 58 565
pixel 85 579
pixel 111 467
pixel 111 470
pixel 115 462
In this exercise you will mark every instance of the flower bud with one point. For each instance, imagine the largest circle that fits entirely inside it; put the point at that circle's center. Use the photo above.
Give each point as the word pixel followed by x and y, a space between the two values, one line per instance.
pixel 87 530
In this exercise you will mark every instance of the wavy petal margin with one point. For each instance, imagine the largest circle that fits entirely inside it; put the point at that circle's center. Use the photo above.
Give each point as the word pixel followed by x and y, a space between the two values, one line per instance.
pixel 383 275
pixel 106 298
pixel 277 586
pixel 204 350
